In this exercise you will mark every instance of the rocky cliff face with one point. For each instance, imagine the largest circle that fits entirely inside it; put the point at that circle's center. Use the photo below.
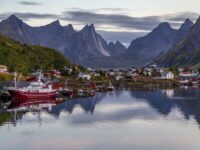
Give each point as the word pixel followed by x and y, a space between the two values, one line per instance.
pixel 156 42
pixel 186 52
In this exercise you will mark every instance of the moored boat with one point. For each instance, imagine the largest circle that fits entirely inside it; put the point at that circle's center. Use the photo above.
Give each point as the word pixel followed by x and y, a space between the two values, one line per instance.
pixel 36 90
pixel 110 87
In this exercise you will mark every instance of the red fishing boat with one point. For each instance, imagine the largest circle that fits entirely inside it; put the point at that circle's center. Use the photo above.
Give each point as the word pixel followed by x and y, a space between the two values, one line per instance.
pixel 36 90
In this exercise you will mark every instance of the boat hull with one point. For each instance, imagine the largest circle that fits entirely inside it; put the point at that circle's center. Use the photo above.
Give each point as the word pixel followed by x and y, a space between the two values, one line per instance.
pixel 32 95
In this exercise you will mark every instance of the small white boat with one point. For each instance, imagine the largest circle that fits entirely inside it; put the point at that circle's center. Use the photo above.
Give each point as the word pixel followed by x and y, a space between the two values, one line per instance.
pixel 110 87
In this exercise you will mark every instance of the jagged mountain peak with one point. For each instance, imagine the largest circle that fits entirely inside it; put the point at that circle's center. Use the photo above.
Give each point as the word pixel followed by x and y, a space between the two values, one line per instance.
pixel 92 26
pixel 116 48
pixel 195 29
pixel 188 21
pixel 197 24
pixel 87 28
pixel 15 28
pixel 198 21
pixel 13 19
pixel 186 25
pixel 70 27
pixel 163 29
pixel 111 43
pixel 118 43
pixel 163 26
pixel 55 24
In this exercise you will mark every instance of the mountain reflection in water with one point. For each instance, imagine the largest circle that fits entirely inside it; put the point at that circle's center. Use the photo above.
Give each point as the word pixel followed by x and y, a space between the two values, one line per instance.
pixel 113 108
pixel 123 120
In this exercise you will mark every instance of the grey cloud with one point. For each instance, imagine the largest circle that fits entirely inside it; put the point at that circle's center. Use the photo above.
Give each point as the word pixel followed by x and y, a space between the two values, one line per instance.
pixel 27 16
pixel 82 17
pixel 125 21
pixel 116 20
pixel 29 3
pixel 179 17
pixel 36 16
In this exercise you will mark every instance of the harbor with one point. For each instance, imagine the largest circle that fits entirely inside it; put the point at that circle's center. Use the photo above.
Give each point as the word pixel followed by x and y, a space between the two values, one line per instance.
pixel 66 84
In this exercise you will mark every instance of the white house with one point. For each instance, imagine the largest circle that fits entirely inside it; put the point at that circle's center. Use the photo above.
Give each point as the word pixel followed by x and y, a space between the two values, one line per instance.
pixel 96 74
pixel 118 77
pixel 168 75
pixel 132 74
pixel 111 73
pixel 84 76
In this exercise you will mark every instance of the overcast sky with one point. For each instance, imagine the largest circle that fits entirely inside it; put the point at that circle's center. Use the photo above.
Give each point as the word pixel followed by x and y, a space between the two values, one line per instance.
pixel 121 20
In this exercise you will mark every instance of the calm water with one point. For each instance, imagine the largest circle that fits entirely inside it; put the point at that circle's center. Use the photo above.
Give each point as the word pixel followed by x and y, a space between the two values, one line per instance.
pixel 124 120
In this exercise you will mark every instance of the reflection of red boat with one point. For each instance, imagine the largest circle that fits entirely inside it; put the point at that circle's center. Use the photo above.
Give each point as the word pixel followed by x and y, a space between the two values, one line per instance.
pixel 36 90
pixel 34 104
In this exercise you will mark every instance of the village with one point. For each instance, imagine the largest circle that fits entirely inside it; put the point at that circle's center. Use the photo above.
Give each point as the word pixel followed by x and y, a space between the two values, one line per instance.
pixel 75 82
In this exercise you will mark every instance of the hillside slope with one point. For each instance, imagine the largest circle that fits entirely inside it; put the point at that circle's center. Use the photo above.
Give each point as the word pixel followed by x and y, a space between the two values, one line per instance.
pixel 24 58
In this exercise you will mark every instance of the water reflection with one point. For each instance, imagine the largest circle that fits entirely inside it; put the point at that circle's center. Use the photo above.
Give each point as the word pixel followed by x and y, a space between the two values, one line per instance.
pixel 118 107
pixel 186 100
pixel 88 105
pixel 123 120
pixel 17 108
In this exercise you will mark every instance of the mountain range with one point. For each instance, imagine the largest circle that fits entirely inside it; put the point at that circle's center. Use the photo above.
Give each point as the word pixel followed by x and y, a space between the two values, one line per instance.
pixel 157 41
pixel 86 47
pixel 186 52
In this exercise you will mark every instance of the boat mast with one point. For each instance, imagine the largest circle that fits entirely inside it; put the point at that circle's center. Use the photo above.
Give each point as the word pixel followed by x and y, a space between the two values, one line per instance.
pixel 15 80
pixel 40 76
